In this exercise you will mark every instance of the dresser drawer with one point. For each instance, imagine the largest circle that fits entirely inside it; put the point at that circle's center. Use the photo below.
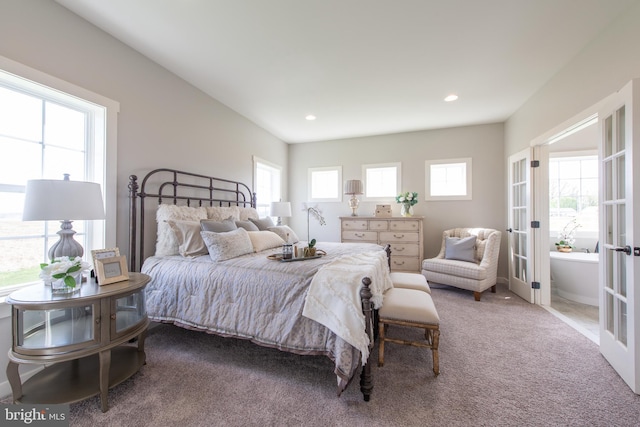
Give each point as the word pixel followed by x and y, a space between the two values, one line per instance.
pixel 405 249
pixel 378 225
pixel 403 263
pixel 360 236
pixel 398 236
pixel 405 225
pixel 354 224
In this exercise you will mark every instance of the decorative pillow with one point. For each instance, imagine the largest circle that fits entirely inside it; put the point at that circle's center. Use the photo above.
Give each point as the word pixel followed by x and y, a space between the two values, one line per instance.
pixel 247 225
pixel 166 243
pixel 460 249
pixel 246 213
pixel 228 224
pixel 263 223
pixel 227 245
pixel 187 234
pixel 286 233
pixel 220 213
pixel 262 240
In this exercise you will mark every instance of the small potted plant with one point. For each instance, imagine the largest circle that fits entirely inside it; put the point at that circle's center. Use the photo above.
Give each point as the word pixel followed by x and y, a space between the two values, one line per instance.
pixel 567 236
pixel 310 250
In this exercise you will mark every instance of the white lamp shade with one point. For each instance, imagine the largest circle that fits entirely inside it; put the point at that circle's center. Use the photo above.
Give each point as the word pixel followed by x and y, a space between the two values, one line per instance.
pixel 282 209
pixel 48 199
pixel 353 186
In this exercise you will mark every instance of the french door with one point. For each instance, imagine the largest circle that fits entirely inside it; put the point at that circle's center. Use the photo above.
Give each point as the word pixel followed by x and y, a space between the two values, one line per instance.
pixel 619 282
pixel 518 231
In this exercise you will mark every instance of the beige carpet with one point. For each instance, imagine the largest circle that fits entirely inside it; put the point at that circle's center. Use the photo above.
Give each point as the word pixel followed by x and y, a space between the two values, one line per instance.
pixel 502 362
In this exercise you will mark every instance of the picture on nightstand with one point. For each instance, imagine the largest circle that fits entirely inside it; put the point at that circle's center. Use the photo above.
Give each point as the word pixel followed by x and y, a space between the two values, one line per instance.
pixel 111 270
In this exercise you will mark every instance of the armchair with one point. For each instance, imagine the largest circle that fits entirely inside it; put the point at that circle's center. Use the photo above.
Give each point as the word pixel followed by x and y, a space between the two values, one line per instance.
pixel 476 276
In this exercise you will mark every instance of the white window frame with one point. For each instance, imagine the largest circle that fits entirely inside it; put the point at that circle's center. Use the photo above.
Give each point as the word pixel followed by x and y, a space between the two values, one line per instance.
pixel 104 167
pixel 263 202
pixel 385 198
pixel 467 161
pixel 315 173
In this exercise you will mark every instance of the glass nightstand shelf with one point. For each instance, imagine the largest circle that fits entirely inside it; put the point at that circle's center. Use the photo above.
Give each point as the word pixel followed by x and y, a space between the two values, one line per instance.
pixel 77 335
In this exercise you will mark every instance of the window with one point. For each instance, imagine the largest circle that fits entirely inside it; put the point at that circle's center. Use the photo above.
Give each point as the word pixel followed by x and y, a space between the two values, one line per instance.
pixel 381 181
pixel 267 185
pixel 46 131
pixel 448 179
pixel 573 193
pixel 325 184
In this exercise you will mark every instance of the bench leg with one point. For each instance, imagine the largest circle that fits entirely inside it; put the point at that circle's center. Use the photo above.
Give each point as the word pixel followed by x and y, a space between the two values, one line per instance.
pixel 434 351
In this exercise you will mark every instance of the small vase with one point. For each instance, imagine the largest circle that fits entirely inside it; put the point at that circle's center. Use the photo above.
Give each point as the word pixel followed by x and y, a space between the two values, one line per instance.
pixel 59 287
pixel 406 210
pixel 564 248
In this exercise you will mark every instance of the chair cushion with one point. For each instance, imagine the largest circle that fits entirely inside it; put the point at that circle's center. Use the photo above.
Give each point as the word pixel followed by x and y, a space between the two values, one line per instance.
pixel 410 281
pixel 467 270
pixel 409 305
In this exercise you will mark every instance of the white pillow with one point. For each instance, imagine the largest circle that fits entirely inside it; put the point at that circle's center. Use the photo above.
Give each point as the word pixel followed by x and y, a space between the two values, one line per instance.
pixel 286 233
pixel 220 213
pixel 166 243
pixel 187 234
pixel 227 245
pixel 262 240
pixel 246 213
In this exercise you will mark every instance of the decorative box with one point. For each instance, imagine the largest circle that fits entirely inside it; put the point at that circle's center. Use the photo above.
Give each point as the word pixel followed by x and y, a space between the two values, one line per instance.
pixel 383 211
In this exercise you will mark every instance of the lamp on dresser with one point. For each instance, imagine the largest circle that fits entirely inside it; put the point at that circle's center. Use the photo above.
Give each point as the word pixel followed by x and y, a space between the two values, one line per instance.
pixel 63 200
pixel 353 187
pixel 280 209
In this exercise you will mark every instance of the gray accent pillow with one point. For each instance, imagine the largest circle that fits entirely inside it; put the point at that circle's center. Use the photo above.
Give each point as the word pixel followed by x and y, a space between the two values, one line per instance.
pixel 247 225
pixel 461 249
pixel 262 223
pixel 227 245
pixel 228 224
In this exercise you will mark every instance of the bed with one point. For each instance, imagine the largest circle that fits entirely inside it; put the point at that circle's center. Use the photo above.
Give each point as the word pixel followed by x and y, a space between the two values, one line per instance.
pixel 320 306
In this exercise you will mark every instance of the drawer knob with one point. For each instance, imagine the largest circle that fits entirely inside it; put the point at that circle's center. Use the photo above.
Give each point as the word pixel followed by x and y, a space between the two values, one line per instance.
pixel 113 316
pixel 398 237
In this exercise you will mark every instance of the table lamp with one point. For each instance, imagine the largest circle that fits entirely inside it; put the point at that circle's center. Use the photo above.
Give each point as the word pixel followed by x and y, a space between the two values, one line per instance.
pixel 353 187
pixel 280 209
pixel 63 200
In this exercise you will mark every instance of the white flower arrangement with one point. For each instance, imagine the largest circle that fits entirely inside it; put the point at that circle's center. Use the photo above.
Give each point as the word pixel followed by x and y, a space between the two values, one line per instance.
pixel 409 197
pixel 63 268
pixel 567 234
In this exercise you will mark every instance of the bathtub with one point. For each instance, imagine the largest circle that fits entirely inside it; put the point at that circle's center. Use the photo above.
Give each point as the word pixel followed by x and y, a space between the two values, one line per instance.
pixel 574 276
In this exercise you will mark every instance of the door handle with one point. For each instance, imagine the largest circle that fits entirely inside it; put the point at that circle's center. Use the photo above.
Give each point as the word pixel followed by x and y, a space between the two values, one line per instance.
pixel 510 230
pixel 626 249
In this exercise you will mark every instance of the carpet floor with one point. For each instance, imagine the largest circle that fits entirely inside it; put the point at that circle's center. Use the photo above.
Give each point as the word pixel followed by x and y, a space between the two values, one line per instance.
pixel 503 362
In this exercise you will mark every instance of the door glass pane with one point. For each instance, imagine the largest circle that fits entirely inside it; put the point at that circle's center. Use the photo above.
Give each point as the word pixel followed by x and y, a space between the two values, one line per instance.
pixel 129 311
pixel 608 136
pixel 620 175
pixel 622 319
pixel 608 181
pixel 608 269
pixel 609 312
pixel 620 130
pixel 523 245
pixel 622 273
pixel 608 220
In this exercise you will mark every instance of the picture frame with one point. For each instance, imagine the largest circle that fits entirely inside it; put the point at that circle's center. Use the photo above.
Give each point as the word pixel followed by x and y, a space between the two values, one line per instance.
pixel 111 270
pixel 103 253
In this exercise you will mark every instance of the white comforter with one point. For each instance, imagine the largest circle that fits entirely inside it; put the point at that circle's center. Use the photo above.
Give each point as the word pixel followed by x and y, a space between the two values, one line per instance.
pixel 258 299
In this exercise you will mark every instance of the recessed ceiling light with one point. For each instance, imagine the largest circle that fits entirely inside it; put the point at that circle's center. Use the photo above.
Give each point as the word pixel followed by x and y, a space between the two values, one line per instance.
pixel 451 97
pixel 310 117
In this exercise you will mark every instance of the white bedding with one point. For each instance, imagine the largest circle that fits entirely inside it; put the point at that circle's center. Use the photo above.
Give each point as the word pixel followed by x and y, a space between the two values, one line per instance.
pixel 255 298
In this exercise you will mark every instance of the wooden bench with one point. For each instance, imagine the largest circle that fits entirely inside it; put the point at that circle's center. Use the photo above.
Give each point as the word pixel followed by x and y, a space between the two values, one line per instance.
pixel 410 308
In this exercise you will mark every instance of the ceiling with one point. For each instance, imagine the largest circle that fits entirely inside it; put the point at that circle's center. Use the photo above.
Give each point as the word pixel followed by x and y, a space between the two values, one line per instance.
pixel 363 67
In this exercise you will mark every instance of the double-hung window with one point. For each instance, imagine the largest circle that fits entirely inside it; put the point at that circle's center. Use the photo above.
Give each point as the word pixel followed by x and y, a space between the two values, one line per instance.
pixel 268 185
pixel 45 133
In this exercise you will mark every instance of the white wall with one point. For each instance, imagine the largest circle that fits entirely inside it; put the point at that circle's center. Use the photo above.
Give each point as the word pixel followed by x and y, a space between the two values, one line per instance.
pixel 603 67
pixel 163 121
pixel 484 144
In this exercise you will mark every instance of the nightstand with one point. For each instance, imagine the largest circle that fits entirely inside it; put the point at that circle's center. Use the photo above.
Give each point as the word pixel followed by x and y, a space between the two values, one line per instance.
pixel 82 338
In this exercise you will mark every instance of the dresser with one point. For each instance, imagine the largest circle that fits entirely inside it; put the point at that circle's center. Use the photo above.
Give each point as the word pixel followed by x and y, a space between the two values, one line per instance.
pixel 404 234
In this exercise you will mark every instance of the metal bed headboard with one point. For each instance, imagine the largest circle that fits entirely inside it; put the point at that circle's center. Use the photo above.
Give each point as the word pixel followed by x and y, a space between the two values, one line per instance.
pixel 176 187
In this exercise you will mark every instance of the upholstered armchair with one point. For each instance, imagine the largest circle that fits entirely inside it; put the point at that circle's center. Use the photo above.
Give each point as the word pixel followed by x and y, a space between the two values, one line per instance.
pixel 464 262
